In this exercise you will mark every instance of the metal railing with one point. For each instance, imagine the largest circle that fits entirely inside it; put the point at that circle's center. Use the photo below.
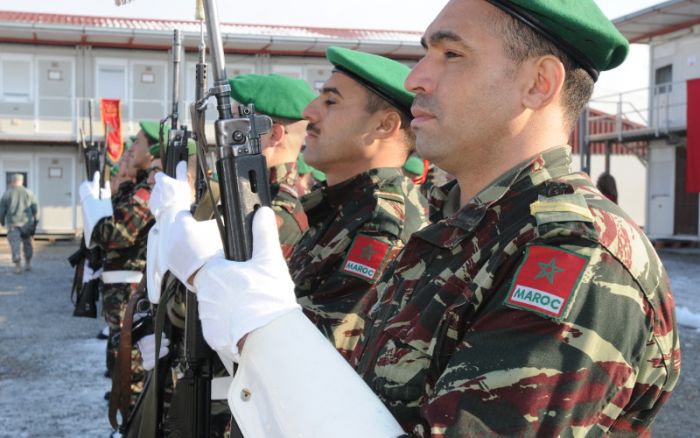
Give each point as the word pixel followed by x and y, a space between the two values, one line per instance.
pixel 53 117
pixel 650 112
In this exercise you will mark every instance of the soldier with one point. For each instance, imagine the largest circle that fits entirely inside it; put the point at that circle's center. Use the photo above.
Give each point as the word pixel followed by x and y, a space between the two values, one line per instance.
pixel 20 214
pixel 534 307
pixel 120 226
pixel 359 135
pixel 283 99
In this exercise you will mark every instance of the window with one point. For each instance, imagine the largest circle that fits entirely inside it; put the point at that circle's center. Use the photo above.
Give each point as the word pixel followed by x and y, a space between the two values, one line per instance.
pixel 663 79
pixel 16 74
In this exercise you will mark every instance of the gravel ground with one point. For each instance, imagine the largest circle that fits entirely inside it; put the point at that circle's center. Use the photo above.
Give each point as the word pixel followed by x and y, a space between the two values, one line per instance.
pixel 51 365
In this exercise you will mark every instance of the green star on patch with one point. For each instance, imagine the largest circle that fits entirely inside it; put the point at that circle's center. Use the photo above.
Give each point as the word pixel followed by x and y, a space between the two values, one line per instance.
pixel 548 270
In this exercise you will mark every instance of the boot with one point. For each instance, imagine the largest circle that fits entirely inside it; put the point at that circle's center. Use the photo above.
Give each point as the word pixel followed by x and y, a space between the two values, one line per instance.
pixel 18 268
pixel 28 265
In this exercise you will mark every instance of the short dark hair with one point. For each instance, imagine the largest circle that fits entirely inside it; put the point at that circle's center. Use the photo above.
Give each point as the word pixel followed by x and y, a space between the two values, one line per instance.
pixel 521 42
pixel 377 103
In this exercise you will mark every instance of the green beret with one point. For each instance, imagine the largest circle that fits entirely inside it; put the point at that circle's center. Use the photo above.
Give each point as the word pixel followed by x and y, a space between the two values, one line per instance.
pixel 414 165
pixel 381 75
pixel 578 27
pixel 302 167
pixel 318 175
pixel 152 129
pixel 155 150
pixel 191 148
pixel 273 95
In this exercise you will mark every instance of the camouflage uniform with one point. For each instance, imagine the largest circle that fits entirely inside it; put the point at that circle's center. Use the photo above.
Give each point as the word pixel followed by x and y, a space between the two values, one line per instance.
pixel 365 219
pixel 454 347
pixel 123 239
pixel 285 190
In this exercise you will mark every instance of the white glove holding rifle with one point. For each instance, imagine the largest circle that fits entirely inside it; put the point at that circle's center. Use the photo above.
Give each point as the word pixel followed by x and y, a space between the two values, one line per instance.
pixel 177 242
pixel 96 204
pixel 236 298
pixel 294 378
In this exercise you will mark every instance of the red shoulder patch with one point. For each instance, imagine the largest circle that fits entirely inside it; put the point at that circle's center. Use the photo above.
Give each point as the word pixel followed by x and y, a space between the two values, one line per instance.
pixel 142 195
pixel 546 280
pixel 365 257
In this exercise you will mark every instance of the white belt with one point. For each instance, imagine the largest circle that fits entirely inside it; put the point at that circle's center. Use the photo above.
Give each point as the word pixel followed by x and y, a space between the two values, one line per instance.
pixel 220 387
pixel 111 277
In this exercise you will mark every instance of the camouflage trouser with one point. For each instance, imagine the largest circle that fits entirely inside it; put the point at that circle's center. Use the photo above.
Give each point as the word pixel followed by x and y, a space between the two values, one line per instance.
pixel 15 238
pixel 116 297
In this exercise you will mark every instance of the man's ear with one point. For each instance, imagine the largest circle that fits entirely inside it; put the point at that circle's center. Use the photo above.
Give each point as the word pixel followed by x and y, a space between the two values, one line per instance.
pixel 388 125
pixel 545 81
pixel 277 134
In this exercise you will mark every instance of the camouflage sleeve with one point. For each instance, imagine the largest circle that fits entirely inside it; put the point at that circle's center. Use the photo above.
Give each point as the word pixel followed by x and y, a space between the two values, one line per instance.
pixel 516 371
pixel 334 307
pixel 289 229
pixel 34 206
pixel 129 223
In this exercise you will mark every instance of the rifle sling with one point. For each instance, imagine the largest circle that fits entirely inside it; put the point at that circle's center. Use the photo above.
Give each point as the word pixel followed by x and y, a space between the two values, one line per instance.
pixel 120 396
pixel 153 391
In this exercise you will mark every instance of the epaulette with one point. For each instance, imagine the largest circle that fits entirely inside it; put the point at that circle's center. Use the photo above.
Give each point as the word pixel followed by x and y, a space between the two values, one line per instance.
pixel 561 208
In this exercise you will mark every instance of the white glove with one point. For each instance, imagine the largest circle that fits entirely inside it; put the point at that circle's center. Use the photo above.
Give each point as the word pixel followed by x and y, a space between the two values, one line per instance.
pixel 147 347
pixel 94 208
pixel 170 194
pixel 235 298
pixel 186 245
pixel 89 274
pixel 106 191
pixel 154 277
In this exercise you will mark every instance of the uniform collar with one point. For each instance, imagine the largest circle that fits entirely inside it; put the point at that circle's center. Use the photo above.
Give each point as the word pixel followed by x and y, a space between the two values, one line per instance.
pixel 285 173
pixel 551 163
pixel 339 194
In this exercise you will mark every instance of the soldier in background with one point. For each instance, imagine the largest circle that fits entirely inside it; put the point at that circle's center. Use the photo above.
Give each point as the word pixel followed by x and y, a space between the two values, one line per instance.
pixel 283 99
pixel 534 307
pixel 120 227
pixel 19 213
pixel 359 135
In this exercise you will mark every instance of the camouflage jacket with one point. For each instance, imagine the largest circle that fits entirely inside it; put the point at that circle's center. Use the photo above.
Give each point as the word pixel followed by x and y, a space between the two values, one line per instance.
pixel 123 236
pixel 285 191
pixel 539 308
pixel 356 228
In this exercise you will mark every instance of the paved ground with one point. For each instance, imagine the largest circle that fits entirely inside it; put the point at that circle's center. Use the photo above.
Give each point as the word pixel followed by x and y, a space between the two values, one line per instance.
pixel 51 365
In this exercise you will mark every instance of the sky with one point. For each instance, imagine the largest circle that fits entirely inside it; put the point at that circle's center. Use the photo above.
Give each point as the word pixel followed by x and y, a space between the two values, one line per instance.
pixel 367 14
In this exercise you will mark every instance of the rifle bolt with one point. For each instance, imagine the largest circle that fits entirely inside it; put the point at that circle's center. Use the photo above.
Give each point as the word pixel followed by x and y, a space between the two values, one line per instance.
pixel 245 394
pixel 238 137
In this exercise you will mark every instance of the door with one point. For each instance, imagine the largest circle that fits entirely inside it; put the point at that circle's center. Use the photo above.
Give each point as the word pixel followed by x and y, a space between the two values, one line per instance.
pixel 55 197
pixel 685 204
pixel 661 191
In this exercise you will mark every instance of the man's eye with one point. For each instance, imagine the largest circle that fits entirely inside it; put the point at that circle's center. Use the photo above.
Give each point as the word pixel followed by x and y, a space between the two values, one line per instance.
pixel 451 54
pixel 329 102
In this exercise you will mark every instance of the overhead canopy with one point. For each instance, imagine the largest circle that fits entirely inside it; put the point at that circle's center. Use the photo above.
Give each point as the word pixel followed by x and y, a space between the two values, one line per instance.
pixel 141 33
pixel 661 19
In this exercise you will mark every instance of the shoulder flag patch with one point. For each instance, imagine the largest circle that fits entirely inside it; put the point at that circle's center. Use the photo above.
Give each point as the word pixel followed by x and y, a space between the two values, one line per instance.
pixel 142 196
pixel 365 257
pixel 545 281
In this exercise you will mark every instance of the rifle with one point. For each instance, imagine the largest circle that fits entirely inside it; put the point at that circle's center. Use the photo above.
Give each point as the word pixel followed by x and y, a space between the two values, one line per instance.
pixel 177 140
pixel 244 186
pixel 86 295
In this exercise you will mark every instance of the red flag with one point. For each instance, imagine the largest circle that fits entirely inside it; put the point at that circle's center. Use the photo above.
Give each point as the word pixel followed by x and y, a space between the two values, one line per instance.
pixel 692 170
pixel 110 112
